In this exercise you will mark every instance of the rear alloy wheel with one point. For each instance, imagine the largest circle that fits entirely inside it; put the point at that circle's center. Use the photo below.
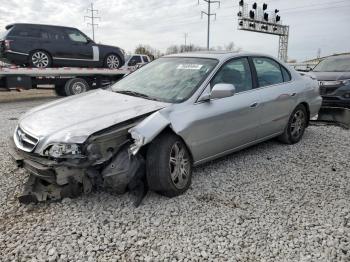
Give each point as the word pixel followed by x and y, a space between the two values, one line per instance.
pixel 76 86
pixel 296 126
pixel 40 59
pixel 112 61
pixel 169 165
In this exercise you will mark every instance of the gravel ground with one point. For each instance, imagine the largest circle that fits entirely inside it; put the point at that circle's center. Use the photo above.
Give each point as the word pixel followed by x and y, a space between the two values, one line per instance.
pixel 271 202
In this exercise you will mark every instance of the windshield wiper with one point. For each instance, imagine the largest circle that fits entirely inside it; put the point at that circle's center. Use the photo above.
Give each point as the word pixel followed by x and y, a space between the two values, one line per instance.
pixel 136 94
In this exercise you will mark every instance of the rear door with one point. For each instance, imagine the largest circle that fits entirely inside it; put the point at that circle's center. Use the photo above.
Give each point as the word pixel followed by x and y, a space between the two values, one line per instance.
pixel 277 95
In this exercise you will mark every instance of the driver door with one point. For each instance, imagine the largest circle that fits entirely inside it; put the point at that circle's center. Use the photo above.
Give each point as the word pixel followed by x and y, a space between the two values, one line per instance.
pixel 221 125
pixel 78 48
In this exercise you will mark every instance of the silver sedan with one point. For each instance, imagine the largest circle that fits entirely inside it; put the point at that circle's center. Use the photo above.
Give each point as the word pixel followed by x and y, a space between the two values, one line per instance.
pixel 149 129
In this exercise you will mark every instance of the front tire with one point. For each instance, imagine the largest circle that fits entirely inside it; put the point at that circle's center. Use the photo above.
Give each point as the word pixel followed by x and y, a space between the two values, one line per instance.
pixel 296 126
pixel 112 61
pixel 40 59
pixel 168 165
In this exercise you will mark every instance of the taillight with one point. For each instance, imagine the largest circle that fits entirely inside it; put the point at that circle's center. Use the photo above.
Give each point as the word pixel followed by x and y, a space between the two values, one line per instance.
pixel 7 44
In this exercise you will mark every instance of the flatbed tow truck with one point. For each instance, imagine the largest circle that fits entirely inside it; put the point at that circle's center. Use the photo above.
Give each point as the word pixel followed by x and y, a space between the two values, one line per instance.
pixel 66 80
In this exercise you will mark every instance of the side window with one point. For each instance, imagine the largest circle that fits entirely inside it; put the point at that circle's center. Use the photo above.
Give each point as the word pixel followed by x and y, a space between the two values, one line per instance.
pixel 145 59
pixel 236 72
pixel 26 32
pixel 268 71
pixel 135 60
pixel 286 74
pixel 76 36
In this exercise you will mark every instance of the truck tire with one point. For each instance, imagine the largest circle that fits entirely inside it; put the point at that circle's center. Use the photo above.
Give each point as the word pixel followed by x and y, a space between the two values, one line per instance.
pixel 76 86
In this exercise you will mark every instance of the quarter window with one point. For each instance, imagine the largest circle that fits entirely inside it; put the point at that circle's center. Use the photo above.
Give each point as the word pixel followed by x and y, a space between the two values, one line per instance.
pixel 268 71
pixel 236 72
pixel 286 74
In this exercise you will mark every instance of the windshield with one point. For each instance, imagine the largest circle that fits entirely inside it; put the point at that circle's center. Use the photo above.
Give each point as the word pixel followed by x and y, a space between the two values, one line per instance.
pixel 169 79
pixel 334 64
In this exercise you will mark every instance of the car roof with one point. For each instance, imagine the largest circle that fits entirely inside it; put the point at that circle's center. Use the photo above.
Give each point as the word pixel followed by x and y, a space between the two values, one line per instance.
pixel 39 25
pixel 220 55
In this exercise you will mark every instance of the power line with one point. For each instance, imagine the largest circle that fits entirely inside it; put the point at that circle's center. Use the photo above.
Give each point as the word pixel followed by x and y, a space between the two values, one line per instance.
pixel 92 17
pixel 209 14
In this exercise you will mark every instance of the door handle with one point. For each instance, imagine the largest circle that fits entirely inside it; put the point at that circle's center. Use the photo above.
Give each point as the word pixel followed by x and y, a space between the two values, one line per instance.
pixel 254 105
pixel 294 94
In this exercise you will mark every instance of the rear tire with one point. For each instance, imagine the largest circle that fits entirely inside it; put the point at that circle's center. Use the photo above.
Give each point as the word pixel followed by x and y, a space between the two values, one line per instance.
pixel 76 86
pixel 40 59
pixel 296 126
pixel 168 165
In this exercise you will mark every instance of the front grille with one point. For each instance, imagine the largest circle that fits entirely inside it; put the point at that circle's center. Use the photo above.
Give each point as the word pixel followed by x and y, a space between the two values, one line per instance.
pixel 25 141
pixel 328 90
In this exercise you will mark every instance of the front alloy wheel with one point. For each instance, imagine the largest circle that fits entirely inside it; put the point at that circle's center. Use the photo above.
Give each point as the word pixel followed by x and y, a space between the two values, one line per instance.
pixel 169 165
pixel 113 62
pixel 179 165
pixel 40 59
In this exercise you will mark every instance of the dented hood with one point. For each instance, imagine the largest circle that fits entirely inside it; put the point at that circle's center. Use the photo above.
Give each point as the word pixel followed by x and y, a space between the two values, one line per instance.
pixel 74 119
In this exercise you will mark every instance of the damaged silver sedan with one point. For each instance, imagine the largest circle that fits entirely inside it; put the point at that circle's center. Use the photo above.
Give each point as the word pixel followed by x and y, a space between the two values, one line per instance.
pixel 147 131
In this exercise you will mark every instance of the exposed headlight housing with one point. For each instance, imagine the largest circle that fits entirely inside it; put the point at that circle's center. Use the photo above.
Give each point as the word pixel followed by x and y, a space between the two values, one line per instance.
pixel 138 142
pixel 64 151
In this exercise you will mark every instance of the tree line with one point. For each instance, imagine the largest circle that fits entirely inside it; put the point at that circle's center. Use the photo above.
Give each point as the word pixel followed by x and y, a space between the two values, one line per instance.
pixel 154 53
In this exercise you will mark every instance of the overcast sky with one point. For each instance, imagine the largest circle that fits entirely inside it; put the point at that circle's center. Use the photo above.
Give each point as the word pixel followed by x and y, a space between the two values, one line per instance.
pixel 313 24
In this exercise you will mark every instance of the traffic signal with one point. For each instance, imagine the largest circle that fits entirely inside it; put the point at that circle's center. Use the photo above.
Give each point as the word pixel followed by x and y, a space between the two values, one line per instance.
pixel 266 17
pixel 252 25
pixel 264 6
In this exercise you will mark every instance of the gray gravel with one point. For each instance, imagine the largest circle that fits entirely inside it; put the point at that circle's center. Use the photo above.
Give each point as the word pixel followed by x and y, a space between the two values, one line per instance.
pixel 271 202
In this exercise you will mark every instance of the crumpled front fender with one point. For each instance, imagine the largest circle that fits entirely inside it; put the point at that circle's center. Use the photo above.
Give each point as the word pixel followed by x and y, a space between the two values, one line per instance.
pixel 147 130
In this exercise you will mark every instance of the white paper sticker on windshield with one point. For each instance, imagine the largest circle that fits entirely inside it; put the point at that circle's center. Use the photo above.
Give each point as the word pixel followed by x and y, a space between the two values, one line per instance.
pixel 189 66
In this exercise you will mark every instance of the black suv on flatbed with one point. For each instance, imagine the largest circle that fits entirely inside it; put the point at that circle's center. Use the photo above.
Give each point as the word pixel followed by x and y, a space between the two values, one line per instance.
pixel 53 46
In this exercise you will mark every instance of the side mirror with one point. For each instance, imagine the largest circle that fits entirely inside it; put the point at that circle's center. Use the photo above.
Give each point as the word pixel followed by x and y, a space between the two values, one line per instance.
pixel 219 91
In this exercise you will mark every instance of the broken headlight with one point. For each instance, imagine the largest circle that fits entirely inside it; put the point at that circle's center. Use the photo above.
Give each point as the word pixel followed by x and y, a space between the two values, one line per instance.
pixel 64 151
pixel 138 142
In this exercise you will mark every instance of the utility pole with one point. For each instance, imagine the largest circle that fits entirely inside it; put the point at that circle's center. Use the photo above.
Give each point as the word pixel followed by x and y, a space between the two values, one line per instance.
pixel 186 35
pixel 92 18
pixel 209 14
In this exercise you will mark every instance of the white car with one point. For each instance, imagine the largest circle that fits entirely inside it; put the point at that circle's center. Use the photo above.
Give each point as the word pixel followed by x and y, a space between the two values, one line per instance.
pixel 131 61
